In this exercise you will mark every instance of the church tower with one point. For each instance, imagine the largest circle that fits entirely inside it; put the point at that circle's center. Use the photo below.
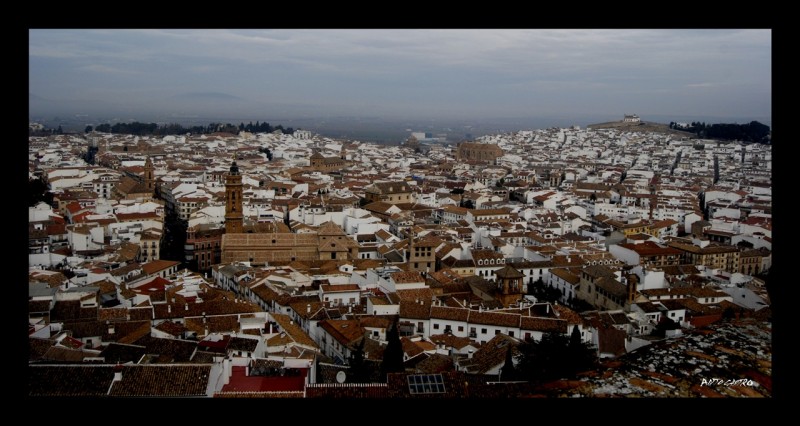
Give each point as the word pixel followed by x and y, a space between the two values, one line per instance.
pixel 149 176
pixel 233 203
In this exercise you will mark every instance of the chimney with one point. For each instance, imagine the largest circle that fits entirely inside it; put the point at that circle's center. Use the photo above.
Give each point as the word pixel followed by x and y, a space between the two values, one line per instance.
pixel 227 370
pixel 308 308
pixel 169 309
pixel 118 373
pixel 469 354
pixel 110 328
pixel 186 306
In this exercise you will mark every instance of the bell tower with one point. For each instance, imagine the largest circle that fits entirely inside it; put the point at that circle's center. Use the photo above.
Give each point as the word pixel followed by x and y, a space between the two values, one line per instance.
pixel 233 200
pixel 149 177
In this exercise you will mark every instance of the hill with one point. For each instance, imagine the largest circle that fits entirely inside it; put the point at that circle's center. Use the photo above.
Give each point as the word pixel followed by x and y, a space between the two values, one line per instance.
pixel 642 126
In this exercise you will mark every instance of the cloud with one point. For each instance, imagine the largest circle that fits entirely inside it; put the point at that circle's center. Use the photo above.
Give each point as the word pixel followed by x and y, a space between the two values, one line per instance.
pixel 105 69
pixel 495 70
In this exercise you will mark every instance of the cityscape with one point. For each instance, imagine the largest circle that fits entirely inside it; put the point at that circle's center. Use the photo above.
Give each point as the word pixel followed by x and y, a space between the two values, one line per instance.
pixel 264 258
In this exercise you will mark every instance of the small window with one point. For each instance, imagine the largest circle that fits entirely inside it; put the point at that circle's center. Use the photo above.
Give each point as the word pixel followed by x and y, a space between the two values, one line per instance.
pixel 435 326
pixel 460 328
pixel 484 331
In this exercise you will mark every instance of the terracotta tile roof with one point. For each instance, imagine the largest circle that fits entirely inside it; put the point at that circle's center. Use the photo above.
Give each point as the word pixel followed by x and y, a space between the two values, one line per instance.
pixel 112 314
pixel 293 330
pixel 408 277
pixel 566 275
pixel 509 272
pixel 449 340
pixel 143 313
pixel 491 354
pixel 414 348
pixel 172 328
pixel 326 288
pixel 486 254
pixel 567 314
pixel 163 380
pixel 612 286
pixel 86 329
pixel 123 353
pixel 242 344
pixel 544 324
pixel 373 321
pixel 35 306
pixel 494 318
pixel 303 311
pixel 213 306
pixel 38 347
pixel 265 293
pixel 69 380
pixel 418 308
pixel 71 310
pixel 214 324
pixel 346 332
pixel 155 266
pixel 452 314
pixel 168 350
pixel 66 355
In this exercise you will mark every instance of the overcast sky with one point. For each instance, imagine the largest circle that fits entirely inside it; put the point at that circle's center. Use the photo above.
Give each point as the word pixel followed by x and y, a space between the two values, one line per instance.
pixel 416 73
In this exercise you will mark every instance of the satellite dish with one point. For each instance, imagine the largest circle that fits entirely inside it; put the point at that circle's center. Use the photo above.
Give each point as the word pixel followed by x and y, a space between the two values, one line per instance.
pixel 341 376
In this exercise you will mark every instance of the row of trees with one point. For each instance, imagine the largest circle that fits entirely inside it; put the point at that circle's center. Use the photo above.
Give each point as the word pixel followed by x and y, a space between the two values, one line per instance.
pixel 750 132
pixel 153 129
pixel 45 131
pixel 555 356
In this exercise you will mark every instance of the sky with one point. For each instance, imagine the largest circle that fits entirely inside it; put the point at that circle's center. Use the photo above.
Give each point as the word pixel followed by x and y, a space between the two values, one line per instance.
pixel 405 73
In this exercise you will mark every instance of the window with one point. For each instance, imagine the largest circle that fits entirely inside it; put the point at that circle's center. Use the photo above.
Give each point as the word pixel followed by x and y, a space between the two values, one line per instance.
pixel 511 333
pixel 484 331
pixel 461 328
pixel 435 326
pixel 496 332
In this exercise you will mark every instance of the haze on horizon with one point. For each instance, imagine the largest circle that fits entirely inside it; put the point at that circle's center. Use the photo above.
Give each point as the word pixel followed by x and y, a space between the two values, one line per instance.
pixel 414 74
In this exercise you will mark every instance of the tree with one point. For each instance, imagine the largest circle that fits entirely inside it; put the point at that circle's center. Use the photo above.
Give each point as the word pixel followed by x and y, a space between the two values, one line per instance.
pixel 508 372
pixel 393 355
pixel 88 129
pixel 663 326
pixel 555 356
pixel 500 182
pixel 359 373
pixel 582 356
